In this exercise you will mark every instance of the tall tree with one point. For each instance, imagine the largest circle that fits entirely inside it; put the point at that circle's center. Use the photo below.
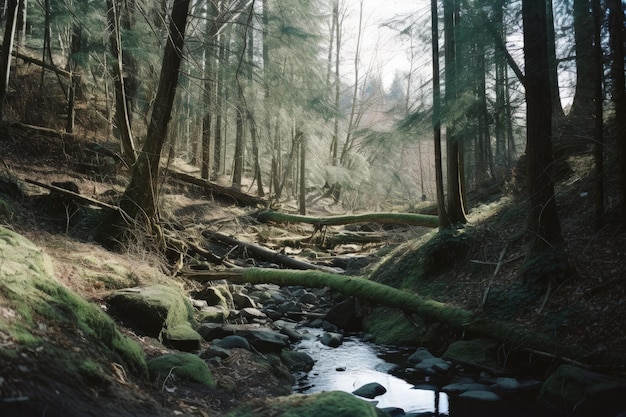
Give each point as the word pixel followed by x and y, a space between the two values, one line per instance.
pixel 7 49
pixel 444 219
pixel 543 221
pixel 454 146
pixel 583 102
pixel 616 40
pixel 140 199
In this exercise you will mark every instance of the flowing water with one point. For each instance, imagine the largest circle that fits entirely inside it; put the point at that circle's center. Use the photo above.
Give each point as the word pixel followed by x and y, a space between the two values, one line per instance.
pixel 356 363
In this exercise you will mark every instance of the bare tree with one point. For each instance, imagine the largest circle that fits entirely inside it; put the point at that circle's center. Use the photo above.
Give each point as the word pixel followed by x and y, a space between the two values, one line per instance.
pixel 7 48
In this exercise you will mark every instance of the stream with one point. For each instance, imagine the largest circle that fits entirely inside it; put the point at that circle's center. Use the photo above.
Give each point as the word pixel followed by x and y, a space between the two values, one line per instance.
pixel 356 363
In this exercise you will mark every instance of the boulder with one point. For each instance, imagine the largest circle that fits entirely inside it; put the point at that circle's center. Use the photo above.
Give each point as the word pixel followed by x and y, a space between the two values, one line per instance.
pixel 346 316
pixel 297 361
pixel 419 355
pixel 182 337
pixel 323 404
pixel 243 301
pixel 265 341
pixel 213 314
pixel 480 395
pixel 332 339
pixel 151 311
pixel 183 365
pixel 482 352
pixel 214 296
pixel 233 341
pixel 371 390
pixel 578 391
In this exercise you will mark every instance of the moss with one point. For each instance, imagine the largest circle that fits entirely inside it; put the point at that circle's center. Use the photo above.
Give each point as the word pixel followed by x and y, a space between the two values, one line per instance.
pixel 478 351
pixel 184 365
pixel 325 404
pixel 32 291
pixel 391 327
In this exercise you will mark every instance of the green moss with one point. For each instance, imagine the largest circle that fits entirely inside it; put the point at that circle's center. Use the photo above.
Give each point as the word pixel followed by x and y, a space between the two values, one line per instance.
pixel 325 404
pixel 32 291
pixel 478 351
pixel 184 365
pixel 391 327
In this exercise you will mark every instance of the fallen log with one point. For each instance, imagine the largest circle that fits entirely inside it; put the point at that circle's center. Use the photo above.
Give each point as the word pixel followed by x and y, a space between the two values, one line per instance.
pixel 267 254
pixel 469 324
pixel 72 195
pixel 384 218
pixel 239 197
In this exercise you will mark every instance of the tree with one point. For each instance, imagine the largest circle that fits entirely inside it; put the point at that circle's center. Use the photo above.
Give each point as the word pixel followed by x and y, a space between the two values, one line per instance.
pixel 544 227
pixel 7 48
pixel 454 146
pixel 444 220
pixel 139 201
pixel 616 40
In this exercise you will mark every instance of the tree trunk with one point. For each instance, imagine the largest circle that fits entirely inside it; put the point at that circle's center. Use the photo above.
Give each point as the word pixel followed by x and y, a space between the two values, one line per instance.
pixel 557 108
pixel 122 113
pixel 598 113
pixel 582 105
pixel 139 201
pixel 455 207
pixel 616 30
pixel 302 194
pixel 543 221
pixel 466 323
pixel 444 219
pixel 382 218
pixel 7 48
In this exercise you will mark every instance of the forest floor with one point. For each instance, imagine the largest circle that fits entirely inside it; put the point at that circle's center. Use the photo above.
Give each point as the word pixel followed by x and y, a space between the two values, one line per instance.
pixel 593 291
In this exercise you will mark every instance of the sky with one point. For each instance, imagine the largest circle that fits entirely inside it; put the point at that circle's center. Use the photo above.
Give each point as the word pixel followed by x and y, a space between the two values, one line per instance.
pixel 381 48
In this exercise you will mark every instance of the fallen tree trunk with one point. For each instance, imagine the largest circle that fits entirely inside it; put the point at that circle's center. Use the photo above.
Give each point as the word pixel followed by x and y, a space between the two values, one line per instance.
pixel 209 187
pixel 72 195
pixel 384 218
pixel 511 336
pixel 267 254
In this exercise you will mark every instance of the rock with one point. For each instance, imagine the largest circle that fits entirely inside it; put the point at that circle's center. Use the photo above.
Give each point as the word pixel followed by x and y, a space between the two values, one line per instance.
pixel 432 366
pixel 461 387
pixel 329 327
pixel 480 395
pixel 151 310
pixel 571 388
pixel 477 351
pixel 307 298
pixel 215 351
pixel 288 307
pixel 182 337
pixel 265 341
pixel 371 390
pixel 213 314
pixel 506 384
pixel 394 411
pixel 272 314
pixel 213 296
pixel 293 335
pixel 251 314
pixel 210 331
pixel 233 341
pixel 183 365
pixel 243 301
pixel 346 316
pixel 419 355
pixel 332 339
pixel 297 361
pixel 332 403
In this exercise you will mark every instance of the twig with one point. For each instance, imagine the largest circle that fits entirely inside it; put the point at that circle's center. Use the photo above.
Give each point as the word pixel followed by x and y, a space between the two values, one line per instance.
pixel 495 273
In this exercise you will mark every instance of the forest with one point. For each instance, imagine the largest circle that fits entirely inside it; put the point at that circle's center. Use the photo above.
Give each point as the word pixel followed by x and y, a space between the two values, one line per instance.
pixel 463 162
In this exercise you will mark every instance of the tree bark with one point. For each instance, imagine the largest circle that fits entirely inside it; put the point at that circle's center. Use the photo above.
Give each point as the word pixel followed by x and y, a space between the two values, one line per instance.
pixel 140 199
pixel 7 47
pixel 543 221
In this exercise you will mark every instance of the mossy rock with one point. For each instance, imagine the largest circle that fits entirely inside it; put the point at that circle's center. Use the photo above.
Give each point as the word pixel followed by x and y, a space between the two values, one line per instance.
pixel 151 310
pixel 32 292
pixel 324 404
pixel 391 327
pixel 576 391
pixel 183 365
pixel 481 352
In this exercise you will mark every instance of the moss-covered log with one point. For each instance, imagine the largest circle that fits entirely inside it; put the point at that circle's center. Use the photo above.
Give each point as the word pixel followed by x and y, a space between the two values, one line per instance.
pixel 470 324
pixel 383 218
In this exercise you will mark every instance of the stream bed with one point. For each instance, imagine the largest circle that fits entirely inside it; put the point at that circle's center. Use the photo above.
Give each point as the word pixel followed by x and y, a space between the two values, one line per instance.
pixel 356 363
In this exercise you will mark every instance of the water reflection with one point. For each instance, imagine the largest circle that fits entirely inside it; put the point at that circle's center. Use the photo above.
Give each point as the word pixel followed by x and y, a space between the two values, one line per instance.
pixel 354 364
